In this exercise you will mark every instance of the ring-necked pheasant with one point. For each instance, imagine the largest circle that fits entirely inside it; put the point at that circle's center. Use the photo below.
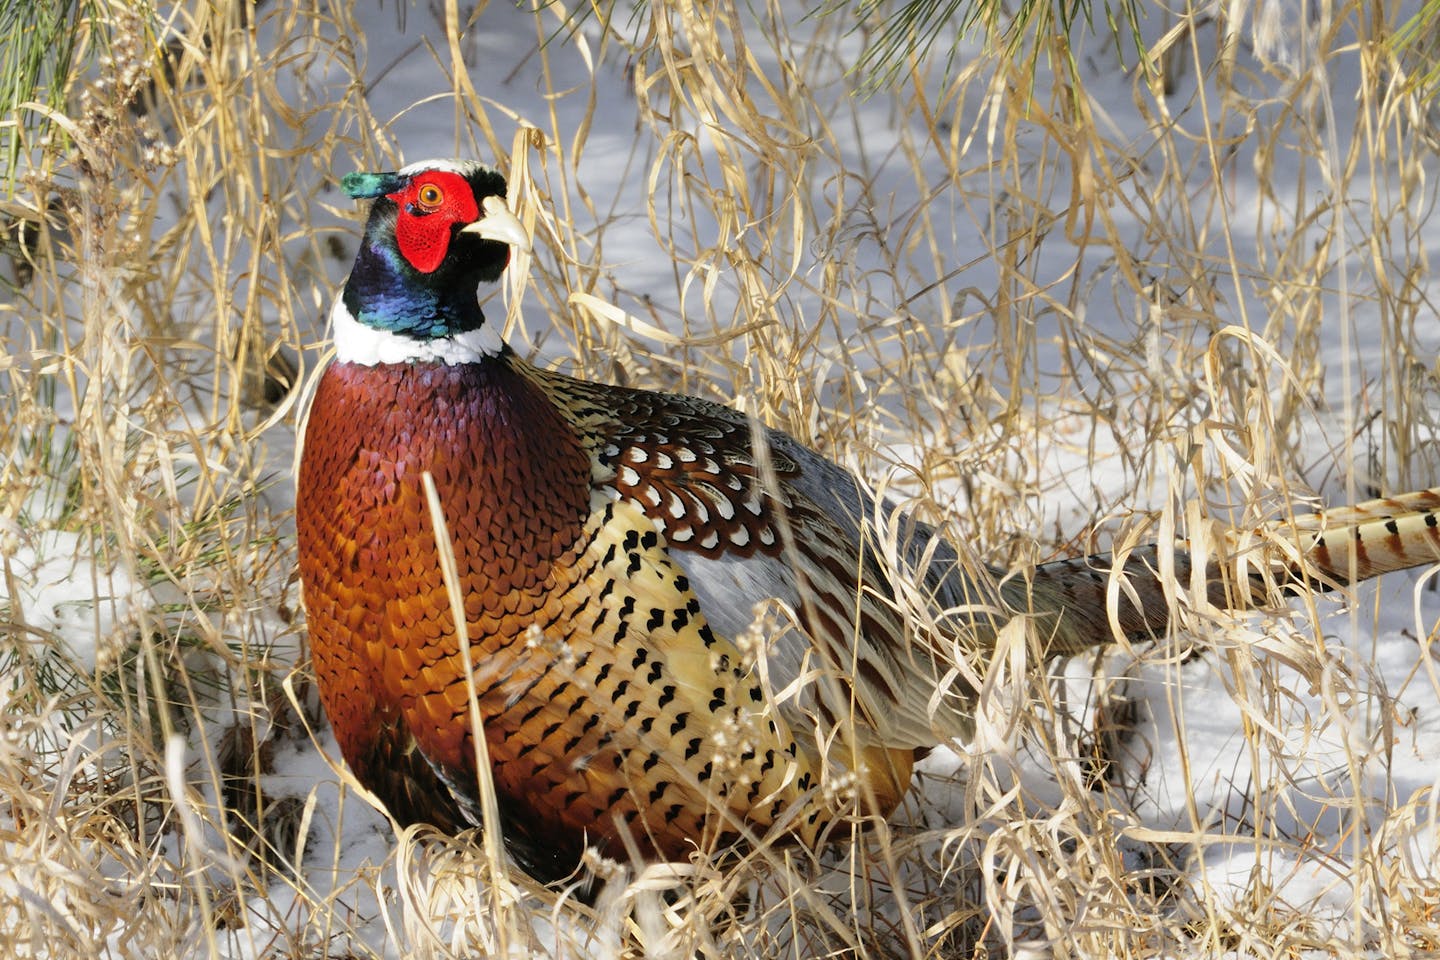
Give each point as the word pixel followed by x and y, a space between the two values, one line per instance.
pixel 610 547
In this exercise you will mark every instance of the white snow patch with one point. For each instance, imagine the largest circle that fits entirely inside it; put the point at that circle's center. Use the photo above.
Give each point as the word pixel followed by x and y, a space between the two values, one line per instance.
pixel 64 593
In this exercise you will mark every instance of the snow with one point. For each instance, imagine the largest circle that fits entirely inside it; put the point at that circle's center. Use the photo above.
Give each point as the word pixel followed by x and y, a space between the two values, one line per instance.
pixel 64 592
pixel 1369 740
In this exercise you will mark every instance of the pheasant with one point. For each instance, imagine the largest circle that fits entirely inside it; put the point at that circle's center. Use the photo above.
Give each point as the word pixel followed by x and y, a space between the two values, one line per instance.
pixel 610 547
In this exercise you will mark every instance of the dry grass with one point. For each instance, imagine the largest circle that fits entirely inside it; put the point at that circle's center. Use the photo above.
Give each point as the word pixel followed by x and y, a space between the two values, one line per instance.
pixel 919 301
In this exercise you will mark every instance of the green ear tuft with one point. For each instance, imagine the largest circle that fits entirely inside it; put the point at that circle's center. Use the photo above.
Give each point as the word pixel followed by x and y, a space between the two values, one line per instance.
pixel 368 186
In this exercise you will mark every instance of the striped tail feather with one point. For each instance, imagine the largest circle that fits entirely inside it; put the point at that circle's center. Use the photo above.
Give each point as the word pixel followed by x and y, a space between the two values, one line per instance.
pixel 1349 544
pixel 1312 552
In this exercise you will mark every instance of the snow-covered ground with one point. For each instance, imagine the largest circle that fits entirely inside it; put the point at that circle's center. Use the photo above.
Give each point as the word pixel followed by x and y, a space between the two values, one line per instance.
pixel 1364 738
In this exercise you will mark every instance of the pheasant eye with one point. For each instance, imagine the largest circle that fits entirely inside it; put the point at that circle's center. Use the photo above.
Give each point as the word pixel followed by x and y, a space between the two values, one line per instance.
pixel 430 196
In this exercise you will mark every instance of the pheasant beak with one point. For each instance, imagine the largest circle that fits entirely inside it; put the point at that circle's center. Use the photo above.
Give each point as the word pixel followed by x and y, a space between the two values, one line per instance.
pixel 498 223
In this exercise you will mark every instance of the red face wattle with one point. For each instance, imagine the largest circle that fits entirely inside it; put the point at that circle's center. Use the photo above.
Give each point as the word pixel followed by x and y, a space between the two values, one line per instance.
pixel 430 206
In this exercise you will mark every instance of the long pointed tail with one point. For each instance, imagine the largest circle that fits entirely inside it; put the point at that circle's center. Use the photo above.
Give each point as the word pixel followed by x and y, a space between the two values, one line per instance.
pixel 1320 551
pixel 1350 544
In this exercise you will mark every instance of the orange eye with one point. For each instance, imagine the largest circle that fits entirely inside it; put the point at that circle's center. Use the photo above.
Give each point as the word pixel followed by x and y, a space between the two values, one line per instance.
pixel 430 196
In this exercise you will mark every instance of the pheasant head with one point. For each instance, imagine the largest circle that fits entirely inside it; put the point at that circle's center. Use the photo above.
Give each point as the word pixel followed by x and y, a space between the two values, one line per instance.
pixel 437 229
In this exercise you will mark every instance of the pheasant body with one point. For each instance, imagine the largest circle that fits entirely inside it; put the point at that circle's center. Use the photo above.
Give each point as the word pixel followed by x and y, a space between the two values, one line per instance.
pixel 608 702
pixel 612 548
